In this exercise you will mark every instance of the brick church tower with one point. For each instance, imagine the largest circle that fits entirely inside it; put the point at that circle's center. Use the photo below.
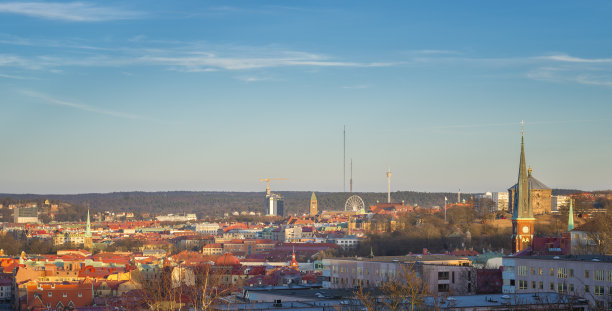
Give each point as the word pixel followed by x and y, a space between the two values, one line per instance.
pixel 522 212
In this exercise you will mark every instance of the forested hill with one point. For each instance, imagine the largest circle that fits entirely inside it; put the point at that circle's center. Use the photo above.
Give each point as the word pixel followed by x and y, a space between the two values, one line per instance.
pixel 216 203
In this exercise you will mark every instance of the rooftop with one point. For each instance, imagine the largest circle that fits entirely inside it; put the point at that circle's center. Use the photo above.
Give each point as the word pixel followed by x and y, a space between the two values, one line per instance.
pixel 591 258
pixel 409 258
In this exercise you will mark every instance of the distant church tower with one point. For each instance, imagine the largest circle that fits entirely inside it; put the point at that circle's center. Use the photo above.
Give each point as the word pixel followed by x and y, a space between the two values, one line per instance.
pixel 522 213
pixel 88 241
pixel 314 208
pixel 570 219
pixel 88 227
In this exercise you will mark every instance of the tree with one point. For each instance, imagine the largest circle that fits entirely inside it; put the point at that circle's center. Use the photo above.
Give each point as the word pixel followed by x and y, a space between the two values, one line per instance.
pixel 181 288
pixel 405 292
pixel 599 232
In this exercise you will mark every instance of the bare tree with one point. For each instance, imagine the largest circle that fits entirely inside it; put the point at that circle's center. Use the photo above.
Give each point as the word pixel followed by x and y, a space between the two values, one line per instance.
pixel 405 292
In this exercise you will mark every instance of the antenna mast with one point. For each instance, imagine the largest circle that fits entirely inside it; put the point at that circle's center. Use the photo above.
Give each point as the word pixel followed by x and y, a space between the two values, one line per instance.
pixel 351 182
pixel 344 160
pixel 389 185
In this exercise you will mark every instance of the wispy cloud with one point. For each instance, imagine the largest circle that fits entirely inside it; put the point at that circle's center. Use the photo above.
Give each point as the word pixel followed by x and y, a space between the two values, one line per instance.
pixel 174 55
pixel 46 99
pixel 251 78
pixel 207 60
pixel 71 11
pixel 2 75
pixel 572 59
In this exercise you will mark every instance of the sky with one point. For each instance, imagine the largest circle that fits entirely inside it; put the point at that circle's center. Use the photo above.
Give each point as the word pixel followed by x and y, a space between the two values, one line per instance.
pixel 103 96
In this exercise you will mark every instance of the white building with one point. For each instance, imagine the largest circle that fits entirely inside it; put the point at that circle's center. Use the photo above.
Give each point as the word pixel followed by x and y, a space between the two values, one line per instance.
pixel 207 228
pixel 501 200
pixel 182 218
pixel 558 201
pixel 25 215
pixel 347 241
pixel 588 277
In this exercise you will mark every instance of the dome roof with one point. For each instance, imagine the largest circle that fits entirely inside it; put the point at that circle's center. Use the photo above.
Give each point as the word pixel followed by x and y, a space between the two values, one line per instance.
pixel 227 260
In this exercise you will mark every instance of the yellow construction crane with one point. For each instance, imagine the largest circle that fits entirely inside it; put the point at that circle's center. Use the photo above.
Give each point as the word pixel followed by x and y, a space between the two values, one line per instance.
pixel 267 180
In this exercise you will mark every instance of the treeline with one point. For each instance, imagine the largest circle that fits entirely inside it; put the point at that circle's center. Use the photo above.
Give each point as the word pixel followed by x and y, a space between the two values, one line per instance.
pixel 463 229
pixel 218 203
pixel 206 203
pixel 14 242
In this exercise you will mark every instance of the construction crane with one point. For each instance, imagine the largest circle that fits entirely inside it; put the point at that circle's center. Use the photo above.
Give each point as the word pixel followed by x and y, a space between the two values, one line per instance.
pixel 267 180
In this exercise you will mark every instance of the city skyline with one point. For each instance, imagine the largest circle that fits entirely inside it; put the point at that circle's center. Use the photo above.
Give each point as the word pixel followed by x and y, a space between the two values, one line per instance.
pixel 208 97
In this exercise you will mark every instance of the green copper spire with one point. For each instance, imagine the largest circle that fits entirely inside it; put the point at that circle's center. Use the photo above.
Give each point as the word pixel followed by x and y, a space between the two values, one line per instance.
pixel 570 221
pixel 88 228
pixel 522 208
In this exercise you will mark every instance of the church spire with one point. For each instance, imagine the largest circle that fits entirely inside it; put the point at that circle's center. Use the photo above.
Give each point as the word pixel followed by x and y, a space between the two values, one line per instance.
pixel 522 208
pixel 570 221
pixel 88 228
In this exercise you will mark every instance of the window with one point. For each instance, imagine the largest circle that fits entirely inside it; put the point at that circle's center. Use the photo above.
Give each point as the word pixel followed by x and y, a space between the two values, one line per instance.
pixel 586 274
pixel 561 273
pixel 540 285
pixel 599 290
pixel 521 270
pixel 532 271
pixel 587 289
pixel 599 275
pixel 561 287
pixel 443 275
pixel 522 284
pixel 610 276
pixel 443 288
pixel 571 287
pixel 540 271
pixel 533 284
pixel 571 273
pixel 552 286
pixel 551 272
pixel 49 294
pixel 80 294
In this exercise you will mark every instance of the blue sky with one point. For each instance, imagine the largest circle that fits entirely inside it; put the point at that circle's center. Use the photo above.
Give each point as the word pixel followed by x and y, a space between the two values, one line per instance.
pixel 213 95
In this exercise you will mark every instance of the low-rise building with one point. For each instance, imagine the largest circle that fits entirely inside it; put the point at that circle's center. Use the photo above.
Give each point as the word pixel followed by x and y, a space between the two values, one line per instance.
pixel 589 277
pixel 440 273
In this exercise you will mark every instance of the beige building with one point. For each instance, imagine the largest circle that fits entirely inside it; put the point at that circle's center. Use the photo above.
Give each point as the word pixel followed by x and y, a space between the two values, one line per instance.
pixel 501 200
pixel 588 277
pixel 558 201
pixel 441 274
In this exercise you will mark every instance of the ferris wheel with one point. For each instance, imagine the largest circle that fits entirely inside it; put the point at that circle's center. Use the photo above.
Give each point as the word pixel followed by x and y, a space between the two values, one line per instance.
pixel 354 203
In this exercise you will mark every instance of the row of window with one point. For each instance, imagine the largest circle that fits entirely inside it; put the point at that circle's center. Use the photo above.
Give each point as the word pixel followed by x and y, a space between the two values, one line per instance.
pixel 562 273
pixel 50 294
pixel 563 287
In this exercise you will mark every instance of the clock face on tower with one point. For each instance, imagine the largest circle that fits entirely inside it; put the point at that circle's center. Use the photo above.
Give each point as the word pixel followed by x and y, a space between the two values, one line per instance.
pixel 525 229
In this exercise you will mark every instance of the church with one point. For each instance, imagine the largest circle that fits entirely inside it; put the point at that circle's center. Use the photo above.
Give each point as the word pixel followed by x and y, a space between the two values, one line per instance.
pixel 522 209
pixel 540 195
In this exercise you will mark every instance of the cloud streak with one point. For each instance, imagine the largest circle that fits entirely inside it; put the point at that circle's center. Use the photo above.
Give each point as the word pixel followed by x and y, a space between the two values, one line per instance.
pixel 70 12
pixel 46 99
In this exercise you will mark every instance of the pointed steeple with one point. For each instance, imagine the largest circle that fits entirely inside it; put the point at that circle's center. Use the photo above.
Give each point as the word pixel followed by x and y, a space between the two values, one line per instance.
pixel 371 252
pixel 293 264
pixel 522 208
pixel 88 228
pixel 570 221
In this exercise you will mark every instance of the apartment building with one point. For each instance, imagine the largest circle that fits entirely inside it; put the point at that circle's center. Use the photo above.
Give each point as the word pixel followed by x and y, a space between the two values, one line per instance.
pixel 586 276
pixel 441 274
